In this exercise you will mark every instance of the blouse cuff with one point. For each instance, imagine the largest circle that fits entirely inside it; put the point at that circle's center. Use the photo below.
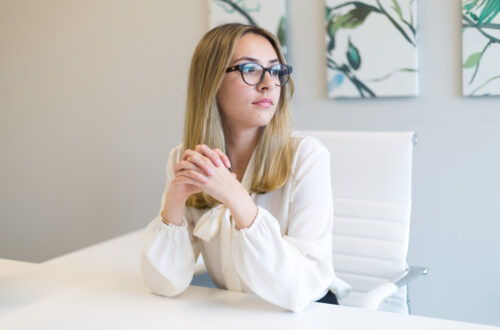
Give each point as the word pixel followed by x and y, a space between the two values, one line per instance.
pixel 255 224
pixel 157 228
pixel 183 226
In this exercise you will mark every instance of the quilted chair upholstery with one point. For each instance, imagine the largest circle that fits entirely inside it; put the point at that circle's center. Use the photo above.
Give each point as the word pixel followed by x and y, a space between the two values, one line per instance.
pixel 371 181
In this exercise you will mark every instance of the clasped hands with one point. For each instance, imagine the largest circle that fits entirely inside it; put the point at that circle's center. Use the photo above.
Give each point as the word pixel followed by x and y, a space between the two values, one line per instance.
pixel 206 169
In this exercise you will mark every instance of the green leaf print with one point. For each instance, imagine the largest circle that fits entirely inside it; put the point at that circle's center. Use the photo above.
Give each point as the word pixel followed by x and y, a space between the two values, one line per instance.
pixel 397 9
pixel 353 18
pixel 353 56
pixel 489 11
pixel 472 60
pixel 330 31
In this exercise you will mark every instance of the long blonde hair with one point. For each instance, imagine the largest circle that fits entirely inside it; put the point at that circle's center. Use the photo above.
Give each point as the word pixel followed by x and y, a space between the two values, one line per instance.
pixel 203 125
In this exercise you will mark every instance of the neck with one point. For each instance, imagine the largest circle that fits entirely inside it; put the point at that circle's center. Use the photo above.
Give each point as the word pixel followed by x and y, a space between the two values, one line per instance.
pixel 240 146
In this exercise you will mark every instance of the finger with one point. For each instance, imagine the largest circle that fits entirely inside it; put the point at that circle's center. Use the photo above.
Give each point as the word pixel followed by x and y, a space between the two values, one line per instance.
pixel 209 153
pixel 193 175
pixel 185 180
pixel 197 159
pixel 184 165
pixel 224 158
pixel 187 154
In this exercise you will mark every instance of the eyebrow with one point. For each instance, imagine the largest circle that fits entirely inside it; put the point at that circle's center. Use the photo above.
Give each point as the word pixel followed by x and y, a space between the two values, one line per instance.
pixel 251 59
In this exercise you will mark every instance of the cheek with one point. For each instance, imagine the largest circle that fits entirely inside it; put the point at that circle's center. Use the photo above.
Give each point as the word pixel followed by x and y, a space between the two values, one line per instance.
pixel 232 93
pixel 276 97
pixel 278 93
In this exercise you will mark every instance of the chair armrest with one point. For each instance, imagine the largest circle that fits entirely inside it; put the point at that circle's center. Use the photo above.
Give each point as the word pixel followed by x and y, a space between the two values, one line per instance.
pixel 372 299
pixel 412 273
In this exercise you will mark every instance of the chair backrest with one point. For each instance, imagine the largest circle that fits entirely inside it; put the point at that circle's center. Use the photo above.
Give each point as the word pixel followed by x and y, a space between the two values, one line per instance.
pixel 371 181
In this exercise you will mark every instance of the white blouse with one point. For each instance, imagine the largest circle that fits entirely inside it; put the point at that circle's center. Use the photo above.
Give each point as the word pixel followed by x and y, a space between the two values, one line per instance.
pixel 285 256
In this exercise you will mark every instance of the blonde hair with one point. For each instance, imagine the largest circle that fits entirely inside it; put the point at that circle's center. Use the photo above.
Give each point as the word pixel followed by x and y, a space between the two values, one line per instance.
pixel 203 125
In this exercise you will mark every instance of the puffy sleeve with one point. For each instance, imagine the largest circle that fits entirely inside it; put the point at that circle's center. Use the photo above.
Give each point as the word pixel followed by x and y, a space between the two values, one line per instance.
pixel 294 269
pixel 169 251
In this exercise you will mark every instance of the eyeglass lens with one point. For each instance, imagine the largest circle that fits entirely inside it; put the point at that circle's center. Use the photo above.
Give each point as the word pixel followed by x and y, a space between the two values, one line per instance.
pixel 252 73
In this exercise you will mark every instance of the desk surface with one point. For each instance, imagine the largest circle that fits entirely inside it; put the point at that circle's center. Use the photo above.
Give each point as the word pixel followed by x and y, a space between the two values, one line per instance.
pixel 62 295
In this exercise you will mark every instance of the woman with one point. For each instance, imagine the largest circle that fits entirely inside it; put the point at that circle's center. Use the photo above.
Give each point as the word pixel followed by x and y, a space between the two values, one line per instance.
pixel 253 197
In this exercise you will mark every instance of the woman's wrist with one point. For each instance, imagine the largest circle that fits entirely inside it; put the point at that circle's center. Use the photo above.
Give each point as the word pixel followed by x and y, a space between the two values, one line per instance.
pixel 167 222
pixel 173 211
pixel 242 208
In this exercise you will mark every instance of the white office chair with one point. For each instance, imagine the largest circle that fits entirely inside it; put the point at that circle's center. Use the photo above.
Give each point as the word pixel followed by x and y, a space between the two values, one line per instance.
pixel 371 180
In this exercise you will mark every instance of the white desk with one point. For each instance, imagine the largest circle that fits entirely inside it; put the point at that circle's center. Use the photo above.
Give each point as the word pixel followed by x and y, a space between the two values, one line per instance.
pixel 83 291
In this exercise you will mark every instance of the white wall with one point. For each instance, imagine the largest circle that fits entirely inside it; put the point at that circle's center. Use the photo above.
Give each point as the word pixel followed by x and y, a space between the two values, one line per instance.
pixel 92 96
pixel 92 99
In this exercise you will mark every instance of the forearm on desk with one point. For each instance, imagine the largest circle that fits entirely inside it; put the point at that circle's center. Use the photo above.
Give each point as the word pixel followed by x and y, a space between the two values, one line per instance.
pixel 168 258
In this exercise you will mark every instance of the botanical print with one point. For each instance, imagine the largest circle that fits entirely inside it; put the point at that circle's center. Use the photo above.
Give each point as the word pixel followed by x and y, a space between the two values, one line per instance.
pixel 269 14
pixel 481 47
pixel 371 48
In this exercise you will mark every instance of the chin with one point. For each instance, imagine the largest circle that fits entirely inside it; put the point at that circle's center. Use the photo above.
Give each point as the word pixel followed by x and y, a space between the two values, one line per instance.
pixel 263 123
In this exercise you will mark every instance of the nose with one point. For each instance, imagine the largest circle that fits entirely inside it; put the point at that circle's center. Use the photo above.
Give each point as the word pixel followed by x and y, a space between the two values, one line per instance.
pixel 267 82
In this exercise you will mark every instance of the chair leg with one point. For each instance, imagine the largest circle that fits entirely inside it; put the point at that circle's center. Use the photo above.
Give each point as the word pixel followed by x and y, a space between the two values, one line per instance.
pixel 408 299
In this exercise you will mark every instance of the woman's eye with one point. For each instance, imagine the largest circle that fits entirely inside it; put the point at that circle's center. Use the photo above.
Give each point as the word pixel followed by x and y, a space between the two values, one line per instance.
pixel 250 68
pixel 276 70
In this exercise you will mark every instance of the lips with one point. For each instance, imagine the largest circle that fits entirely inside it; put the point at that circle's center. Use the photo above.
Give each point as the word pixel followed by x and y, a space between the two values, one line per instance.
pixel 264 102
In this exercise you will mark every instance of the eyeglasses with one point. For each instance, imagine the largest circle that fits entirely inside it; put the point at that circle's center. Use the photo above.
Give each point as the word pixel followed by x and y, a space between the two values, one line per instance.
pixel 253 73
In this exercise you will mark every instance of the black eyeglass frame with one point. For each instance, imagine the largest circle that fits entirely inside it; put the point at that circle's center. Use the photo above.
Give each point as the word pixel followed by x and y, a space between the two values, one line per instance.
pixel 239 68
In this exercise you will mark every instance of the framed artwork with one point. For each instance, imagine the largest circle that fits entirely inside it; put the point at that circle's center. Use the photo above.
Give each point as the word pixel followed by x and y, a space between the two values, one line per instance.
pixel 269 14
pixel 371 48
pixel 480 47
